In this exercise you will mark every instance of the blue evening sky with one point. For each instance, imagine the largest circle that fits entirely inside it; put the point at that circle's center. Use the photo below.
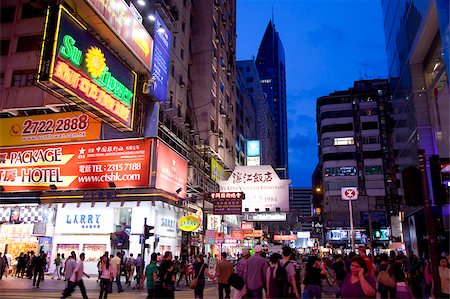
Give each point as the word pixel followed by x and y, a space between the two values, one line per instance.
pixel 328 44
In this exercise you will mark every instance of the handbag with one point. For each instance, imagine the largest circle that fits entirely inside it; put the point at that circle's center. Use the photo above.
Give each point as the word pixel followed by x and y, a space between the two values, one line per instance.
pixel 385 279
pixel 236 281
pixel 194 281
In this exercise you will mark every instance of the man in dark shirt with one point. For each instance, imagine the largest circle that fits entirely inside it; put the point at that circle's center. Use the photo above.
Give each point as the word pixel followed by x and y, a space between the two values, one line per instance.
pixel 38 266
pixel 339 272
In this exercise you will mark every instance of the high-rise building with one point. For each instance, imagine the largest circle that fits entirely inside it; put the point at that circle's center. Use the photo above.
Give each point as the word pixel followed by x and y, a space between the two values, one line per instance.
pixel 265 131
pixel 417 45
pixel 271 66
pixel 353 129
pixel 301 205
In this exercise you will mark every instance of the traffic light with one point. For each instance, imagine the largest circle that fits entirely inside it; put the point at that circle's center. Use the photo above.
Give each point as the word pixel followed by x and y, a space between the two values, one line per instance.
pixel 148 231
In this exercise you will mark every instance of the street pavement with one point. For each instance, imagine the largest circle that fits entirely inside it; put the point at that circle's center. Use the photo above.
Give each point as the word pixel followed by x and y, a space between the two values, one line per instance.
pixel 22 288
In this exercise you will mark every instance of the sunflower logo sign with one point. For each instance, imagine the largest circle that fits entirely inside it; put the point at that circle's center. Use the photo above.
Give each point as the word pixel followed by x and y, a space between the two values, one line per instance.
pixel 95 62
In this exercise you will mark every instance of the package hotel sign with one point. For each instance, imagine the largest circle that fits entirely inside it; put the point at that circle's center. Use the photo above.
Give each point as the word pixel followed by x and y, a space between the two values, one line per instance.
pixel 84 71
pixel 264 190
pixel 74 166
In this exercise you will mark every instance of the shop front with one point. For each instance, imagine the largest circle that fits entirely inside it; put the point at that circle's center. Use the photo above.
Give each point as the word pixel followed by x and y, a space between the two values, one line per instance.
pixel 167 233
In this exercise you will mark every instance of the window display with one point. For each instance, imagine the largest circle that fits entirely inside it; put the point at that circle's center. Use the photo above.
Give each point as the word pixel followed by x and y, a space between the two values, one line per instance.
pixel 67 249
pixel 93 252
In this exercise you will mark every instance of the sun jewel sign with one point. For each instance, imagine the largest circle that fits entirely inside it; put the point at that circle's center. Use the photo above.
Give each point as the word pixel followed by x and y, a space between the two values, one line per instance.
pixel 81 68
pixel 264 190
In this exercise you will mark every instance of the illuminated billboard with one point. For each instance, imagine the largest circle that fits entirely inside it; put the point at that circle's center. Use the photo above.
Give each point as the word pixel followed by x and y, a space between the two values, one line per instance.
pixel 161 59
pixel 253 148
pixel 75 65
pixel 48 128
pixel 73 166
pixel 264 190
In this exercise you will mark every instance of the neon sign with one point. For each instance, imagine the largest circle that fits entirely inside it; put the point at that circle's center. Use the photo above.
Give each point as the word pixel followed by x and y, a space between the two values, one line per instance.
pixel 84 71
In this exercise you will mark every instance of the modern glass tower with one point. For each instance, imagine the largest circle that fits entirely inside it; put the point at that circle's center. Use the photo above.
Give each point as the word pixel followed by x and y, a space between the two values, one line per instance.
pixel 270 64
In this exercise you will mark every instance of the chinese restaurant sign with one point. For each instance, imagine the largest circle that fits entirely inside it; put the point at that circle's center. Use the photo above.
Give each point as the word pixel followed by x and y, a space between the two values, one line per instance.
pixel 48 128
pixel 264 190
pixel 74 166
pixel 227 203
pixel 161 59
pixel 171 170
pixel 82 67
pixel 119 17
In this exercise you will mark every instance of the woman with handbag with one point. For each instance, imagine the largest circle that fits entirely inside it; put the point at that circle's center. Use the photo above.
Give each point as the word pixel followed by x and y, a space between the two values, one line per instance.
pixel 386 281
pixel 198 283
pixel 359 283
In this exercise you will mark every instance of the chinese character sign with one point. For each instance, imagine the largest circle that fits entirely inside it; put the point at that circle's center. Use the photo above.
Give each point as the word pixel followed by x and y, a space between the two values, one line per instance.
pixel 264 190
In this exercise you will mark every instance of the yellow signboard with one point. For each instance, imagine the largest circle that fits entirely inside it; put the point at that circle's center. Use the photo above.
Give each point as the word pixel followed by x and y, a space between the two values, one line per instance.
pixel 188 223
pixel 48 128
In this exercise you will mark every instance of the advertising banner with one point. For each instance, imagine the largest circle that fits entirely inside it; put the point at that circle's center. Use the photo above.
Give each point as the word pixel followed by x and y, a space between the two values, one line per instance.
pixel 188 223
pixel 171 171
pixel 75 166
pixel 254 234
pixel 84 221
pixel 284 237
pixel 264 190
pixel 266 217
pixel 217 171
pixel 86 70
pixel 227 203
pixel 48 128
pixel 119 17
pixel 253 148
pixel 237 234
pixel 161 59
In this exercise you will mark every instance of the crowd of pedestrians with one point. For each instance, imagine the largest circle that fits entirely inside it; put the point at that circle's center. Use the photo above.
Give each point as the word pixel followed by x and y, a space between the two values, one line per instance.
pixel 262 274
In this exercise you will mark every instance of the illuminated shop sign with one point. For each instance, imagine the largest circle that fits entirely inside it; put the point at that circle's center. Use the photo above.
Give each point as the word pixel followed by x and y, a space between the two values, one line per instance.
pixel 84 71
pixel 48 128
pixel 253 148
pixel 84 220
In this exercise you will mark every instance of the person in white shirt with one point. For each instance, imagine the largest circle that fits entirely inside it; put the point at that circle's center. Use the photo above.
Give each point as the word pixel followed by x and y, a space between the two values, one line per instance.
pixel 115 264
pixel 77 280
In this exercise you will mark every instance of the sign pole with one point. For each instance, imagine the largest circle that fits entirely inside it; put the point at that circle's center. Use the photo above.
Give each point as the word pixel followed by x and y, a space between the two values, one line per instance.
pixel 352 231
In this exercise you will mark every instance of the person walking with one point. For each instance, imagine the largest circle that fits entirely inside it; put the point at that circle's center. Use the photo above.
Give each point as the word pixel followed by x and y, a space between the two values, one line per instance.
pixel 77 279
pixel 313 271
pixel 130 266
pixel 339 272
pixel 69 267
pixel 255 274
pixel 3 264
pixel 107 275
pixel 289 287
pixel 200 270
pixel 359 283
pixel 63 264
pixel 444 275
pixel 224 270
pixel 241 270
pixel 385 290
pixel 38 266
pixel 183 271
pixel 151 274
pixel 139 270
pixel 57 262
pixel 115 264
pixel 271 282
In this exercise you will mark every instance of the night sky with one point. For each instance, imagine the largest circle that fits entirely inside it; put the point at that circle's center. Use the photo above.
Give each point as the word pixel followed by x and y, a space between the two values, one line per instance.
pixel 328 45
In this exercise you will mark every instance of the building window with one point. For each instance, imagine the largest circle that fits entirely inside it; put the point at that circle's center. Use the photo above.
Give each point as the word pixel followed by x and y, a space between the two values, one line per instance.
pixel 344 141
pixel 7 14
pixel 23 78
pixel 370 125
pixel 29 43
pixel 172 69
pixel 373 170
pixel 180 114
pixel 249 79
pixel 174 40
pixel 122 216
pixel 183 26
pixel 4 47
pixel 371 140
pixel 337 128
pixel 28 11
pixel 182 54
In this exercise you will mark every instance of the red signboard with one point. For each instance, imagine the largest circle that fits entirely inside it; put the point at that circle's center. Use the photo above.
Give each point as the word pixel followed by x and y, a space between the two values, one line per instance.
pixel 171 171
pixel 119 17
pixel 247 226
pixel 254 234
pixel 74 166
pixel 285 237
pixel 237 234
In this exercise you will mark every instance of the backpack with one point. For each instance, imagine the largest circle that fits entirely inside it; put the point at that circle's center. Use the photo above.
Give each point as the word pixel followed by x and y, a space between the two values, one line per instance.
pixel 282 280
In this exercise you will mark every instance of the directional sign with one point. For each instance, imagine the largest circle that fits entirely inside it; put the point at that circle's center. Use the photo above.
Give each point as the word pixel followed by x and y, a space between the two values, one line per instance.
pixel 349 193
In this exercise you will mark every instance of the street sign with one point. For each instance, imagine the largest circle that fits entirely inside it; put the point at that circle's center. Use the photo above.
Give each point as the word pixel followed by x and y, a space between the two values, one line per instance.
pixel 349 193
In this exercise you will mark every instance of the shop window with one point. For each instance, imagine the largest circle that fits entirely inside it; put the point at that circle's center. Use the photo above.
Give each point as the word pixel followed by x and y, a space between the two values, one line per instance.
pixel 29 43
pixel 93 251
pixel 4 47
pixel 7 14
pixel 23 78
pixel 373 170
pixel 66 249
pixel 122 216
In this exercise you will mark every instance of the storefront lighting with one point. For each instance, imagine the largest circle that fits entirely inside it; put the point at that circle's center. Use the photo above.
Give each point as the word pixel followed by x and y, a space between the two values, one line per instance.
pixel 151 18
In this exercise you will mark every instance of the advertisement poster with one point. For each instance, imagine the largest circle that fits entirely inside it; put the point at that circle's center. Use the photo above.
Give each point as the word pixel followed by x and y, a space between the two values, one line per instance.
pixel 48 128
pixel 75 166
pixel 171 171
pixel 264 190
pixel 161 59
pixel 84 221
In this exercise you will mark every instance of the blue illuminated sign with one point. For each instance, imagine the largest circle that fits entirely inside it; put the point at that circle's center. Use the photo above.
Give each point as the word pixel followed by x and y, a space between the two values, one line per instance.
pixel 161 59
pixel 253 148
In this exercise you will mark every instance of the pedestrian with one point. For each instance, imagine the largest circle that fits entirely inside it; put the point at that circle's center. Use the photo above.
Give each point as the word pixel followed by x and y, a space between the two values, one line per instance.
pixel 77 279
pixel 183 271
pixel 139 270
pixel 123 266
pixel 200 270
pixel 224 270
pixel 271 281
pixel 130 266
pixel 57 262
pixel 3 263
pixel 339 272
pixel 287 282
pixel 313 278
pixel 69 267
pixel 107 275
pixel 254 278
pixel 151 274
pixel 168 281
pixel 384 289
pixel 444 275
pixel 359 283
pixel 38 266
pixel 163 269
pixel 241 270
pixel 115 264
pixel 63 264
